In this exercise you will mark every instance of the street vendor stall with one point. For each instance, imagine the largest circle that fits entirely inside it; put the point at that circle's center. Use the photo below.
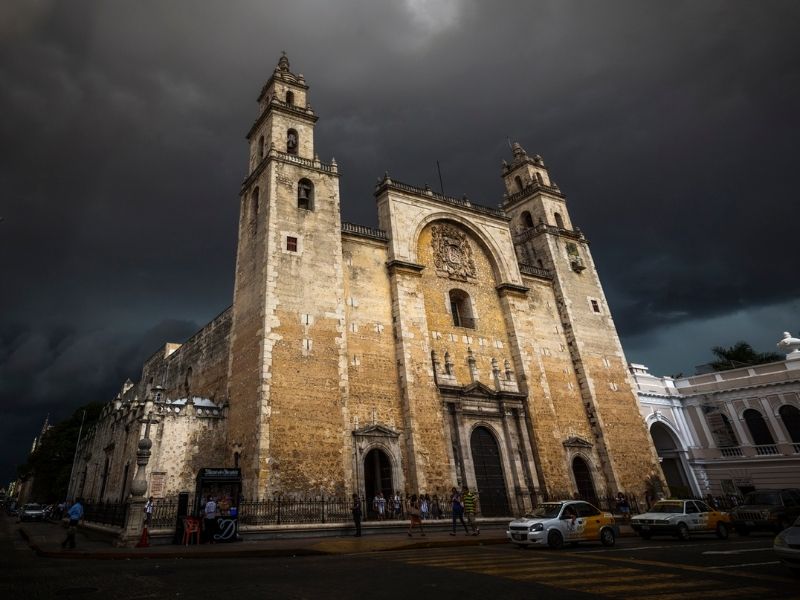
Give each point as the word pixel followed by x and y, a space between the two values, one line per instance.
pixel 224 486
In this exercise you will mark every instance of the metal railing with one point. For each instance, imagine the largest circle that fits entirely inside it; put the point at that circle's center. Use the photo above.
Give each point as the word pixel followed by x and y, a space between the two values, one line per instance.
pixel 766 450
pixel 731 451
pixel 527 269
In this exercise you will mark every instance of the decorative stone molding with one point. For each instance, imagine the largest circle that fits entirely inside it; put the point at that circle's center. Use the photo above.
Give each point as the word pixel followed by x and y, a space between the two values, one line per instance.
pixel 452 253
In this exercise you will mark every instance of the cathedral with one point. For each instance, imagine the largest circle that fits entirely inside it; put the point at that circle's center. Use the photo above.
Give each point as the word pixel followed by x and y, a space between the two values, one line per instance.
pixel 456 344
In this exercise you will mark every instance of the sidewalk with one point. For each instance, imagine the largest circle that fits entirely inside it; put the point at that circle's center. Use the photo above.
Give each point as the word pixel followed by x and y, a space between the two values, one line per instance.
pixel 45 539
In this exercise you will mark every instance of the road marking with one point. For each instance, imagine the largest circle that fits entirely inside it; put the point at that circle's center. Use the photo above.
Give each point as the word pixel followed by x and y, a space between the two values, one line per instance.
pixel 737 551
pixel 774 562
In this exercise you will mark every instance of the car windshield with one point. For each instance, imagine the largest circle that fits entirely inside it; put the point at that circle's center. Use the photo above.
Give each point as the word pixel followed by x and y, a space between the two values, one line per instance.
pixel 545 511
pixel 667 507
pixel 32 507
pixel 762 498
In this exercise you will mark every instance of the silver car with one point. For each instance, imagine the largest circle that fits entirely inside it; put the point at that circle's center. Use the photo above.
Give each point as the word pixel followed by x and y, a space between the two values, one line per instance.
pixel 787 546
pixel 32 512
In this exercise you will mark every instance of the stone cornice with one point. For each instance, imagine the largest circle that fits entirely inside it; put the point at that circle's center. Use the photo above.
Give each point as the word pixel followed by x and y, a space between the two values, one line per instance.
pixel 408 268
pixel 316 165
pixel 512 289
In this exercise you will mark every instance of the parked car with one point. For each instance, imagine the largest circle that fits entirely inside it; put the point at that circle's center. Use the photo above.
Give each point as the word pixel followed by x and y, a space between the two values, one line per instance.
pixel 682 518
pixel 787 546
pixel 32 512
pixel 767 510
pixel 571 521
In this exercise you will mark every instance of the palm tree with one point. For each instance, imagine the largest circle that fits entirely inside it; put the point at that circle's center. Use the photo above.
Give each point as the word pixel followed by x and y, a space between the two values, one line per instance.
pixel 741 354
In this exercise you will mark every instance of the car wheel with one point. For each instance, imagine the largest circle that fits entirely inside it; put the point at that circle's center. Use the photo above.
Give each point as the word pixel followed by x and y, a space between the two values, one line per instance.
pixel 743 531
pixel 722 531
pixel 607 537
pixel 683 532
pixel 645 536
pixel 555 540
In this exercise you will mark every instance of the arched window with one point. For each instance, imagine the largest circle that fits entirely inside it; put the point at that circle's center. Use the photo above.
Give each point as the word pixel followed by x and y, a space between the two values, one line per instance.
pixel 722 430
pixel 289 97
pixel 305 194
pixel 559 220
pixel 527 219
pixel 539 178
pixel 790 416
pixel 461 309
pixel 518 181
pixel 292 141
pixel 261 147
pixel 758 428
pixel 254 211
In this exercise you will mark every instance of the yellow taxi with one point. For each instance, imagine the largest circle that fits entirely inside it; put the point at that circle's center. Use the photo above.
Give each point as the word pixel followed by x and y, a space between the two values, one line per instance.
pixel 681 518
pixel 570 521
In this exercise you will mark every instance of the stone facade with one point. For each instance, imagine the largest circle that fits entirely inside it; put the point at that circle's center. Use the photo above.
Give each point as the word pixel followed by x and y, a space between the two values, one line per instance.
pixel 725 433
pixel 456 344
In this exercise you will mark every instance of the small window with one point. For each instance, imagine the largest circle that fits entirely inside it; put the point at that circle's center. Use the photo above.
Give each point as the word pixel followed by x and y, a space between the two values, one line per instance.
pixel 527 219
pixel 461 309
pixel 261 147
pixel 595 306
pixel 254 211
pixel 291 244
pixel 586 510
pixel 292 141
pixel 289 97
pixel 305 194
pixel 518 181
pixel 559 220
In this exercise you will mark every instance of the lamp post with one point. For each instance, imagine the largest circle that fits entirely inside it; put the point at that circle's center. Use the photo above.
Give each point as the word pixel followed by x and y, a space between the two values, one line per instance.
pixel 134 517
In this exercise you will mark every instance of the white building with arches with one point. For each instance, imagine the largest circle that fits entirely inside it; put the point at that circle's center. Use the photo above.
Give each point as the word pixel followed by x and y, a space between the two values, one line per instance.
pixel 727 432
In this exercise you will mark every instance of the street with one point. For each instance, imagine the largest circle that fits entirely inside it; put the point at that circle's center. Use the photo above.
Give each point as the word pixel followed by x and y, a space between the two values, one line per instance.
pixel 661 569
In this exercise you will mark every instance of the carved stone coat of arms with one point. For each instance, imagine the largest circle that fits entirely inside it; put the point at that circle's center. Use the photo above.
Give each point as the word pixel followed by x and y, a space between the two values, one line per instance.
pixel 452 253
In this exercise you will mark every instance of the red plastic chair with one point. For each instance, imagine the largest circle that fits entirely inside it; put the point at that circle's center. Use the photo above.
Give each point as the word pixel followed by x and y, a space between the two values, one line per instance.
pixel 191 527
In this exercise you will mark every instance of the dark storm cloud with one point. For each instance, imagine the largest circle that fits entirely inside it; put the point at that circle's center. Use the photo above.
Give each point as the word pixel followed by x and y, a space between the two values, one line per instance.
pixel 671 127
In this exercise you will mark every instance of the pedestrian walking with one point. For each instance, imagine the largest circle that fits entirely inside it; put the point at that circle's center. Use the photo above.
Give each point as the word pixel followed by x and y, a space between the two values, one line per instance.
pixel 414 516
pixel 623 506
pixel 356 510
pixel 458 510
pixel 424 506
pixel 75 514
pixel 468 500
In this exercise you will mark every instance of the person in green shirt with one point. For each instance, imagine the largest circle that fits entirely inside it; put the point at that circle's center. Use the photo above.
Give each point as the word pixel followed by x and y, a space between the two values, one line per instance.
pixel 468 498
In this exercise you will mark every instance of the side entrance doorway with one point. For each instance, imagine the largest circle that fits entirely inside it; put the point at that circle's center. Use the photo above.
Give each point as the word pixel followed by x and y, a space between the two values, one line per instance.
pixel 489 476
pixel 377 477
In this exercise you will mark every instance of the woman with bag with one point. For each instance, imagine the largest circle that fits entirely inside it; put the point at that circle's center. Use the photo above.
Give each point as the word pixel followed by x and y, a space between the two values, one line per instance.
pixel 414 516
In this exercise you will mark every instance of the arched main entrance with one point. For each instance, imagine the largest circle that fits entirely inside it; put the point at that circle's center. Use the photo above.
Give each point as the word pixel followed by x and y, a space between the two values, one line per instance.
pixel 668 449
pixel 488 474
pixel 377 475
pixel 583 480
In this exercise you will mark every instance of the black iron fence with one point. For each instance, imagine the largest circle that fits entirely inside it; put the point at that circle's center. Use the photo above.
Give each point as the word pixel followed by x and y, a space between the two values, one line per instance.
pixel 105 513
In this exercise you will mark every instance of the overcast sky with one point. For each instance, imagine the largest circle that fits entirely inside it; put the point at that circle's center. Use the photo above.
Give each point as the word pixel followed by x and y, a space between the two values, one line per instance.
pixel 672 127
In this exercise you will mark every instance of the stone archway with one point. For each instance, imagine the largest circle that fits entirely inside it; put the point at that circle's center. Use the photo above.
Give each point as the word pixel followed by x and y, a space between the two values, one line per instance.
pixel 377 475
pixel 669 449
pixel 583 480
pixel 489 477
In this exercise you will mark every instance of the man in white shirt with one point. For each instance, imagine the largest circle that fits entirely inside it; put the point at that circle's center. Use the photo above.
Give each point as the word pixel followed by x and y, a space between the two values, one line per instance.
pixel 210 524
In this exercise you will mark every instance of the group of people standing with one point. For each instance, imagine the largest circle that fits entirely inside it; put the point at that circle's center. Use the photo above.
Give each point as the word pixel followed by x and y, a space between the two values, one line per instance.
pixel 420 508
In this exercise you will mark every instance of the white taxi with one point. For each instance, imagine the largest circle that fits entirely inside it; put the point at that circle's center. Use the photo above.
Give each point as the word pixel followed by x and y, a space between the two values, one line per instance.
pixel 554 523
pixel 681 518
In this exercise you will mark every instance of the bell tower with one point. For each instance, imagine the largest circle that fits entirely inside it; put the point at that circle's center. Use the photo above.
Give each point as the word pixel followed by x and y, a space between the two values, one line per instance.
pixel 287 371
pixel 545 237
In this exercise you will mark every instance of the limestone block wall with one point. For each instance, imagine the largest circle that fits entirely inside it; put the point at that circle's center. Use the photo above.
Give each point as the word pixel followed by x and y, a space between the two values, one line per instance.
pixel 205 353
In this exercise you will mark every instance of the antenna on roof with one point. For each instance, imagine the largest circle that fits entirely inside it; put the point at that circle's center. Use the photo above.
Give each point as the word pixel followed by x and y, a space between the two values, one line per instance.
pixel 509 143
pixel 441 185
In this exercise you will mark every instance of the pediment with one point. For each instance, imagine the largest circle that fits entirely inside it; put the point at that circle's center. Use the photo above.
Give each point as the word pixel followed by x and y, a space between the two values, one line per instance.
pixel 576 442
pixel 478 389
pixel 376 430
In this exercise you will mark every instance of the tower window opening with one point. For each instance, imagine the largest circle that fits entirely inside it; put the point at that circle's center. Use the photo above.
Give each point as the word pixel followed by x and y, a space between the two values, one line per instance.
pixel 595 306
pixel 518 181
pixel 461 309
pixel 559 220
pixel 292 141
pixel 291 244
pixel 527 219
pixel 254 211
pixel 289 97
pixel 261 147
pixel 539 178
pixel 305 194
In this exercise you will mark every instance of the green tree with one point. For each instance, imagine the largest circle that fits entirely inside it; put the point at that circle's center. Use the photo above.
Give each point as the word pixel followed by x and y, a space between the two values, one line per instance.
pixel 50 464
pixel 741 354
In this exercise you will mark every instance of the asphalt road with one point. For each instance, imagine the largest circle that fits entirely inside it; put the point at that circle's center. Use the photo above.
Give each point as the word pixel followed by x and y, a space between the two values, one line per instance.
pixel 658 569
